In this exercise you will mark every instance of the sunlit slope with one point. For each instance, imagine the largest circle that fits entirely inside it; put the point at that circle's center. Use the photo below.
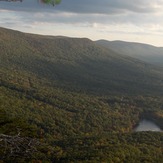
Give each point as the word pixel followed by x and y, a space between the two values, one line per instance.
pixel 76 64
pixel 144 52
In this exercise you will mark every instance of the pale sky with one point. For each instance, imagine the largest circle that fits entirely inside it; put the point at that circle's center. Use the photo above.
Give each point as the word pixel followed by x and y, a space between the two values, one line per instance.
pixel 128 20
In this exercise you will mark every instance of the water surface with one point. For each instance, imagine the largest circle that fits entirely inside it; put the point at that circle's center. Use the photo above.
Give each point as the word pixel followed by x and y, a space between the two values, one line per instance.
pixel 146 125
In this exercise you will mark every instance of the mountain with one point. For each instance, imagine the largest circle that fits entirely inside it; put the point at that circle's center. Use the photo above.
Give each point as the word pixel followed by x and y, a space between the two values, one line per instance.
pixel 144 52
pixel 70 100
pixel 77 64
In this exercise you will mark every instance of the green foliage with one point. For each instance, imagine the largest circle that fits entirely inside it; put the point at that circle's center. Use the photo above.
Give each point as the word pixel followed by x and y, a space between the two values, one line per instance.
pixel 128 147
pixel 53 2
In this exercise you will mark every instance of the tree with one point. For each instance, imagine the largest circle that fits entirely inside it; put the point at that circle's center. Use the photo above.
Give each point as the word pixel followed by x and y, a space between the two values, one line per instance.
pixel 52 2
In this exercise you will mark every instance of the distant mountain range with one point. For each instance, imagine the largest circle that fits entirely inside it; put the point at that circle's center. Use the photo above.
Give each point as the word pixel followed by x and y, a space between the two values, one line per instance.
pixel 78 63
pixel 144 52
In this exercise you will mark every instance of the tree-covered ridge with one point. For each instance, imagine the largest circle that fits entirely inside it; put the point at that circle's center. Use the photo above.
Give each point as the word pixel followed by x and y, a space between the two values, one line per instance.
pixel 78 63
pixel 85 113
pixel 144 52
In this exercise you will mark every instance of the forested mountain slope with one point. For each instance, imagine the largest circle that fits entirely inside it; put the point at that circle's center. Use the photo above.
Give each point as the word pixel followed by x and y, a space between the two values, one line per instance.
pixel 81 101
pixel 144 52
pixel 77 63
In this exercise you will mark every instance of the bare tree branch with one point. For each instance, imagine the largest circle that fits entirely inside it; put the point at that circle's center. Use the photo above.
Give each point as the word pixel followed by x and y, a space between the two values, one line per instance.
pixel 16 146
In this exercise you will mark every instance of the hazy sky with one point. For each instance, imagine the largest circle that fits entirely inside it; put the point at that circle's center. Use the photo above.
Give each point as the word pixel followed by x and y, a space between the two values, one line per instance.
pixel 129 20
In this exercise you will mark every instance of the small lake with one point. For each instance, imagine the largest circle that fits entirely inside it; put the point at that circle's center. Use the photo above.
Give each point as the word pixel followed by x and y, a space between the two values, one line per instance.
pixel 146 125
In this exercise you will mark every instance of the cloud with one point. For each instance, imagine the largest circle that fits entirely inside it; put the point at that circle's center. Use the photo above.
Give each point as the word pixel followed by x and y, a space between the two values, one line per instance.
pixel 91 6
pixel 116 17
pixel 111 6
pixel 89 12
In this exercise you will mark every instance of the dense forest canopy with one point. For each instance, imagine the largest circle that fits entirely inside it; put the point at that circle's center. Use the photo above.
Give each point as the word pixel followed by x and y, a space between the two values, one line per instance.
pixel 76 101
